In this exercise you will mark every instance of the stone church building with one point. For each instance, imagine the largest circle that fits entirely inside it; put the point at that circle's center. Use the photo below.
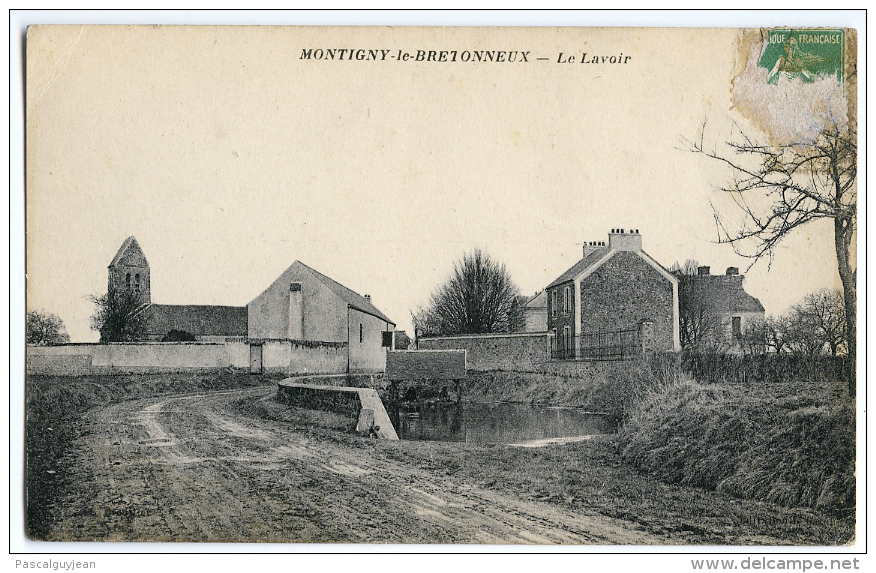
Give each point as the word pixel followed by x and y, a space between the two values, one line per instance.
pixel 301 306
pixel 129 269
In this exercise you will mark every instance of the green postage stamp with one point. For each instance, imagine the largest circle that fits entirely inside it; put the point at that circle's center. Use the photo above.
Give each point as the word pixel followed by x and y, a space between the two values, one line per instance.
pixel 809 54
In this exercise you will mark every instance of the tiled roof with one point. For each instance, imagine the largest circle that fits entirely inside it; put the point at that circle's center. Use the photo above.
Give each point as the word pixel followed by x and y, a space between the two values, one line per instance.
pixel 580 266
pixel 197 319
pixel 354 299
pixel 538 301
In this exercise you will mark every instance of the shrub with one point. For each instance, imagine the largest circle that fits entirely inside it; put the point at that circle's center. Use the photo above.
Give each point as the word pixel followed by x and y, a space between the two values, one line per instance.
pixel 178 336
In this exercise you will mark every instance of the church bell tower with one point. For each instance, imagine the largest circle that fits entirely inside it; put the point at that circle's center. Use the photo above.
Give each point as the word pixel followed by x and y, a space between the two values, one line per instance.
pixel 129 270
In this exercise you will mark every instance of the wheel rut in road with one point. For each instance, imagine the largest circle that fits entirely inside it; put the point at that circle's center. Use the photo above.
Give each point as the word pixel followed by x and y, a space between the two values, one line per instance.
pixel 195 468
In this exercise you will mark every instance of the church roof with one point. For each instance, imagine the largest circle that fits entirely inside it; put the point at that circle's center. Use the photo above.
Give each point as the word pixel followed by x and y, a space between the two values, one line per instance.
pixel 197 319
pixel 352 298
pixel 131 245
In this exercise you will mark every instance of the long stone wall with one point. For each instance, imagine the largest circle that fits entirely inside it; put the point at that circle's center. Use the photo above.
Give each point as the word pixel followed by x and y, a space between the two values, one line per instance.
pixel 283 356
pixel 425 365
pixel 519 351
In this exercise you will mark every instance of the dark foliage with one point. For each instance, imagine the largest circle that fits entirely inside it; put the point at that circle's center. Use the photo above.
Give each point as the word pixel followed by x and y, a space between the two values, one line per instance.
pixel 714 367
pixel 178 336
pixel 45 329
pixel 478 298
pixel 119 316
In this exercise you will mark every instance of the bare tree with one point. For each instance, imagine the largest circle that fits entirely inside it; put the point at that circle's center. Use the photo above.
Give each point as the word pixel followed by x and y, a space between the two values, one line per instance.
pixel 821 316
pixel 517 315
pixel 699 326
pixel 119 316
pixel 781 188
pixel 478 298
pixel 45 329
pixel 812 327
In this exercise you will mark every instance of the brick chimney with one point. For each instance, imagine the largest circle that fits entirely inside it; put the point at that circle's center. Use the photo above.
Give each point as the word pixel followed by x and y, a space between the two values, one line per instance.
pixel 368 298
pixel 625 240
pixel 703 271
pixel 732 271
pixel 591 246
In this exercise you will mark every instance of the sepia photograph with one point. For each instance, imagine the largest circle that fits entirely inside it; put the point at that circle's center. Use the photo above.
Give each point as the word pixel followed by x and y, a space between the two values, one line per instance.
pixel 426 286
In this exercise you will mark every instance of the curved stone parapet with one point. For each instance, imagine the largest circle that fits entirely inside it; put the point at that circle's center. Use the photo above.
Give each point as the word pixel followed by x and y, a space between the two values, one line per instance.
pixel 346 400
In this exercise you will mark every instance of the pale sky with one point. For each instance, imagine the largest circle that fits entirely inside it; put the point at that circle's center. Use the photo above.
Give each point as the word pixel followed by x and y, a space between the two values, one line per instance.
pixel 229 157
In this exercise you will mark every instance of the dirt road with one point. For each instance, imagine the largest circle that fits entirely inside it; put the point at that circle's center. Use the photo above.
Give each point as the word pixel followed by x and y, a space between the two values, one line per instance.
pixel 202 468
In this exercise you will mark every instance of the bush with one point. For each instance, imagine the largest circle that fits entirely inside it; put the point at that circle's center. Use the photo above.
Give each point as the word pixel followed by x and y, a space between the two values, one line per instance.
pixel 178 336
pixel 716 367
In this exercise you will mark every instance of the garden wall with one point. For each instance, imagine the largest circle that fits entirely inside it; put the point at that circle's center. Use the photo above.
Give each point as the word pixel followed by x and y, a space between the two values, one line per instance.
pixel 518 351
pixel 289 357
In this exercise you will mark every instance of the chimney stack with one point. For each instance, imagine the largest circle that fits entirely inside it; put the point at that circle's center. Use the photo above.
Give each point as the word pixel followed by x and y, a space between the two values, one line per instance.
pixel 368 298
pixel 591 246
pixel 295 327
pixel 732 271
pixel 621 240
pixel 703 271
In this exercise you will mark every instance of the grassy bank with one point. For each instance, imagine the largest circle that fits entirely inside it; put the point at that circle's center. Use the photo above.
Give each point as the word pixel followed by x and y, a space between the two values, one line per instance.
pixel 613 388
pixel 54 405
pixel 787 441
pixel 789 444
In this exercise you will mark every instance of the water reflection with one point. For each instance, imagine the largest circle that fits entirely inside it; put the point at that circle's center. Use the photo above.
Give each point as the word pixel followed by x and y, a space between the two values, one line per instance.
pixel 492 423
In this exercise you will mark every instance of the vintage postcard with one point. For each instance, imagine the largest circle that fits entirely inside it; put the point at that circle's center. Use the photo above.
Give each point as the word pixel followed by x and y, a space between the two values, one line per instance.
pixel 490 286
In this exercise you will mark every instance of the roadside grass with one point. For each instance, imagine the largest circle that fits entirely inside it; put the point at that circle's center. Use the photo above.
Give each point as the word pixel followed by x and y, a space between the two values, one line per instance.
pixel 789 445
pixel 788 441
pixel 53 408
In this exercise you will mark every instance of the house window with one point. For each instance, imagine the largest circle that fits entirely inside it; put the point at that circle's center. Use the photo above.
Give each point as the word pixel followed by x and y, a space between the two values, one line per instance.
pixel 128 281
pixel 137 282
pixel 737 327
pixel 553 303
pixel 361 334
pixel 567 340
pixel 567 300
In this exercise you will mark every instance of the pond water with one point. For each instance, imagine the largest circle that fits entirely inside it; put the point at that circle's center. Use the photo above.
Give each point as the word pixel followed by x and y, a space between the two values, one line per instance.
pixel 493 423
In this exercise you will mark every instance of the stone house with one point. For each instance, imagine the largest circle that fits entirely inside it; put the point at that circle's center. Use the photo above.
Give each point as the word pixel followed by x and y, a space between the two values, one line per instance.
pixel 535 313
pixel 617 296
pixel 716 310
pixel 303 304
